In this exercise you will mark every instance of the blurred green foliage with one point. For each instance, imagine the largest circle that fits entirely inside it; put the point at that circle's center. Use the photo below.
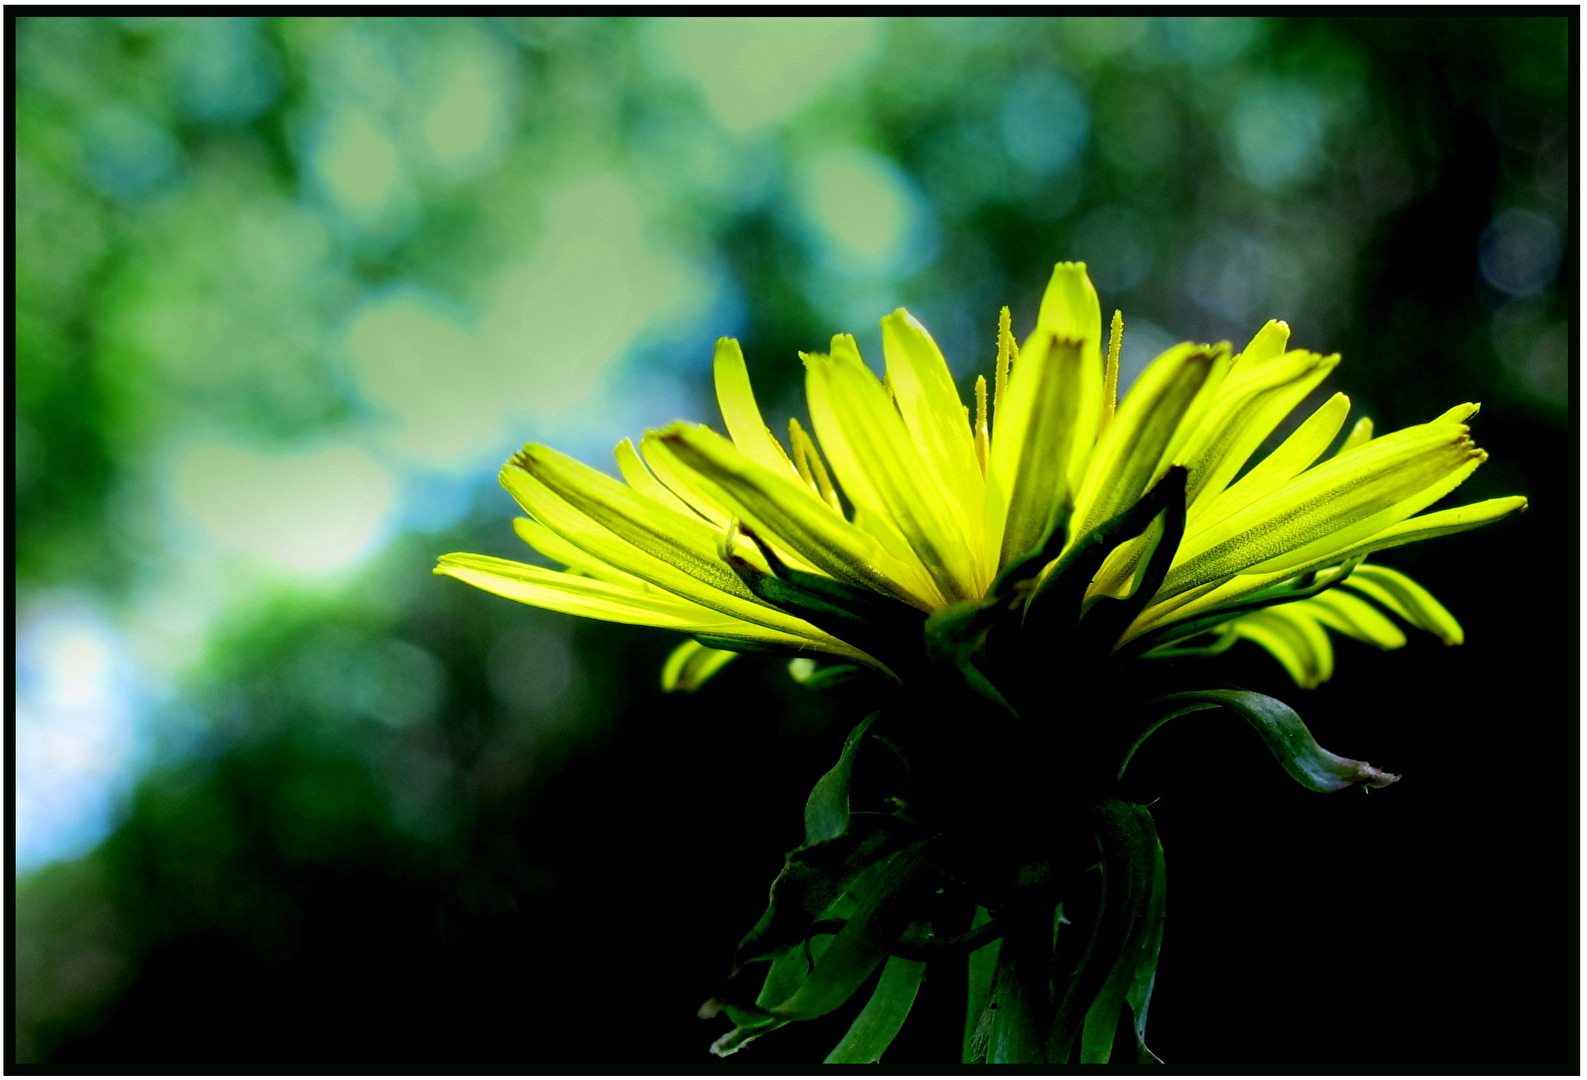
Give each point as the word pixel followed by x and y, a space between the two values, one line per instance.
pixel 289 289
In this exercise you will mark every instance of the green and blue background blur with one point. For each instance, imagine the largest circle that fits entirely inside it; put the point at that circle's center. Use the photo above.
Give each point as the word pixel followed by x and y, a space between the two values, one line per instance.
pixel 289 290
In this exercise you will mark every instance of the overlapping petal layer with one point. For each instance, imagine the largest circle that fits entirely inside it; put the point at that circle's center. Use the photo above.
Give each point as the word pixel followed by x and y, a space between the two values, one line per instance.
pixel 911 497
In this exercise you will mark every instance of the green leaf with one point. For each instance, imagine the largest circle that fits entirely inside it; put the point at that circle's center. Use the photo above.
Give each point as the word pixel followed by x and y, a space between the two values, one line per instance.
pixel 983 962
pixel 1020 997
pixel 1144 979
pixel 874 1029
pixel 1284 732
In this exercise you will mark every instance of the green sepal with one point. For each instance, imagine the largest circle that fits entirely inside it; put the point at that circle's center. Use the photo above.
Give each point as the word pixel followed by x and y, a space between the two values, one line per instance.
pixel 893 889
pixel 1286 592
pixel 1280 727
pixel 827 808
pixel 1064 588
pixel 868 935
pixel 1109 616
pixel 814 877
pixel 1029 565
pixel 1131 982
pixel 1121 943
pixel 877 1025
pixel 954 633
pixel 864 618
pixel 744 645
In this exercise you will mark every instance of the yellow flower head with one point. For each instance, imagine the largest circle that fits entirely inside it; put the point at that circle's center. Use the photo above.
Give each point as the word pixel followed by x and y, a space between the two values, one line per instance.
pixel 901 497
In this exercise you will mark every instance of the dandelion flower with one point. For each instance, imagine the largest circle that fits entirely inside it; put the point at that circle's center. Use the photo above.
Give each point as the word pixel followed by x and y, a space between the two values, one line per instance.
pixel 902 496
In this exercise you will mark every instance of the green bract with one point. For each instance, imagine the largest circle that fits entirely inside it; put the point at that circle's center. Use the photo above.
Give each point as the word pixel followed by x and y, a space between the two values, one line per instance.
pixel 1051 537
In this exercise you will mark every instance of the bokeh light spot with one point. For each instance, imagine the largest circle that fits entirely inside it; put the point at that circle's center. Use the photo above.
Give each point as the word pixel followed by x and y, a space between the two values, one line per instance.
pixel 76 743
pixel 317 513
pixel 1520 252
pixel 754 71
pixel 127 155
pixel 866 214
pixel 358 163
pixel 1275 133
pixel 1116 246
pixel 467 121
pixel 1045 122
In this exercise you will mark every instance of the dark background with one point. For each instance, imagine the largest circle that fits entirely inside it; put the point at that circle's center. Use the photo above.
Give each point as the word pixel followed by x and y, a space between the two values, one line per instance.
pixel 383 819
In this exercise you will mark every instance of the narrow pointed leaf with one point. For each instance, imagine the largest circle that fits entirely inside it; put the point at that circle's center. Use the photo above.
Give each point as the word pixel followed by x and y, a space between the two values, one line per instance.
pixel 982 964
pixel 877 1025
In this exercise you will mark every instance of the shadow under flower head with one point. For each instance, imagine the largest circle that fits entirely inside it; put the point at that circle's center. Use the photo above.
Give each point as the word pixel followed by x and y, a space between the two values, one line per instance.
pixel 905 495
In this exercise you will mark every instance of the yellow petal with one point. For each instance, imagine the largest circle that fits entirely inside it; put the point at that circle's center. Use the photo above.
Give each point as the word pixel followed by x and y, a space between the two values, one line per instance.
pixel 640 479
pixel 1251 402
pixel 1329 503
pixel 1129 457
pixel 691 664
pixel 571 556
pixel 785 513
pixel 703 500
pixel 1032 445
pixel 1427 526
pixel 934 414
pixel 1360 435
pixel 1070 311
pixel 811 468
pixel 1354 617
pixel 869 448
pixel 685 545
pixel 1295 640
pixel 740 413
pixel 1296 454
pixel 1267 344
pixel 584 596
pixel 1407 599
pixel 1206 598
